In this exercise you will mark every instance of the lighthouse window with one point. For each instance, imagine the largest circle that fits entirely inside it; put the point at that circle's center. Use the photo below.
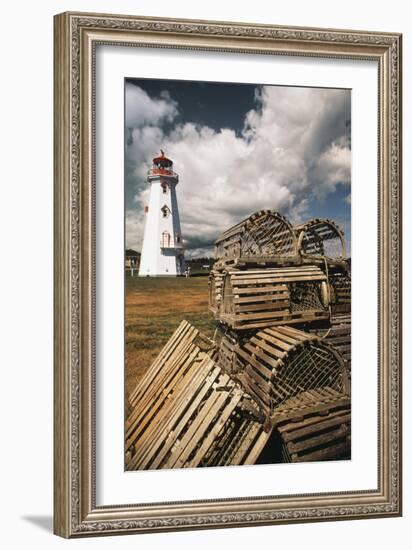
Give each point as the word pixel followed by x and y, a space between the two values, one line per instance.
pixel 164 187
pixel 165 211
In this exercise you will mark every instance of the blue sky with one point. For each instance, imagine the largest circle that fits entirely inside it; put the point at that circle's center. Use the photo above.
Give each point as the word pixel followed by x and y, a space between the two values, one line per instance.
pixel 238 148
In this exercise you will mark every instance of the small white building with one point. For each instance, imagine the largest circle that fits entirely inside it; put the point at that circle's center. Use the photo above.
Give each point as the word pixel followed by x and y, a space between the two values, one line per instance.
pixel 162 251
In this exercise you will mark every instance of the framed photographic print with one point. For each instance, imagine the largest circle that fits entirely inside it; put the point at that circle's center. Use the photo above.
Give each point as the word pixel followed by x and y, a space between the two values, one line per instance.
pixel 227 274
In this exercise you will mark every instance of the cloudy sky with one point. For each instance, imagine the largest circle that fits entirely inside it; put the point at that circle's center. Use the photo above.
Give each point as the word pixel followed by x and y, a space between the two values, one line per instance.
pixel 238 148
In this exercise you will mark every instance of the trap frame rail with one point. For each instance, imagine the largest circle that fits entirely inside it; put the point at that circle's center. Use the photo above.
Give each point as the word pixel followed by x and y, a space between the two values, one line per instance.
pixel 321 239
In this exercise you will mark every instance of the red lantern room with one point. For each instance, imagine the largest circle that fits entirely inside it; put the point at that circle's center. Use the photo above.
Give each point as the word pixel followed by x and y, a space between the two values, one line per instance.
pixel 162 161
pixel 162 166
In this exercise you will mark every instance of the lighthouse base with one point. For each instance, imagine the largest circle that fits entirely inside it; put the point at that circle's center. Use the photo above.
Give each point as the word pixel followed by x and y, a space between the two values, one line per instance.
pixel 166 264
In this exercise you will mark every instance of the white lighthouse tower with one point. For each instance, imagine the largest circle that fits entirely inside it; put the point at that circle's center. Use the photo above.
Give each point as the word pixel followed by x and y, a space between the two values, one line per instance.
pixel 162 251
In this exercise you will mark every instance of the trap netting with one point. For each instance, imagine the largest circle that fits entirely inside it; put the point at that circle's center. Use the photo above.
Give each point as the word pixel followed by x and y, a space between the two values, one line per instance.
pixel 306 296
pixel 278 363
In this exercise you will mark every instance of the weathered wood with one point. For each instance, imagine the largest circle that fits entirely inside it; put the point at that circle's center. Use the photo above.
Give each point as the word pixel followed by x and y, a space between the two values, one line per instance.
pixel 274 296
pixel 215 291
pixel 277 363
pixel 256 299
pixel 320 239
pixel 265 236
pixel 174 367
pixel 241 442
pixel 178 336
pixel 176 412
pixel 339 336
pixel 205 403
pixel 146 414
pixel 216 429
pixel 294 409
pixel 257 448
pixel 330 421
pixel 341 451
pixel 340 292
pixel 192 407
pixel 318 428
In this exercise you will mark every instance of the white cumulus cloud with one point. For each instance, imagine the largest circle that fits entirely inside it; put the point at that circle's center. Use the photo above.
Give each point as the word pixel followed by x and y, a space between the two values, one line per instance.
pixel 295 145
pixel 141 109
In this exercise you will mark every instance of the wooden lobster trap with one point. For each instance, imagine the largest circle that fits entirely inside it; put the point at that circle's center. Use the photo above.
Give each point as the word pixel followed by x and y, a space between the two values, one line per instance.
pixel 277 363
pixel 321 239
pixel 273 296
pixel 265 237
pixel 188 412
pixel 314 425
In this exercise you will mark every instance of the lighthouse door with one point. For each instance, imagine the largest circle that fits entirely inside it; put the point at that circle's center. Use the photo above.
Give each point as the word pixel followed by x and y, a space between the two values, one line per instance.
pixel 165 239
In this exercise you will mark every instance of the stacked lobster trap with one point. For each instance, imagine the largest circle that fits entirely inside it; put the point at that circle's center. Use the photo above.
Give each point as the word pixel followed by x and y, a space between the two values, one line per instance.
pixel 282 297
pixel 274 383
pixel 270 273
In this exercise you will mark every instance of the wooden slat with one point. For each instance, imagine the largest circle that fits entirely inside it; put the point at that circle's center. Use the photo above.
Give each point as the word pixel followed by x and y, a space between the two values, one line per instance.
pixel 257 448
pixel 260 298
pixel 314 428
pixel 166 381
pixel 253 273
pixel 287 426
pixel 183 328
pixel 196 430
pixel 325 454
pixel 263 315
pixel 268 305
pixel 247 325
pixel 149 410
pixel 188 396
pixel 280 415
pixel 281 278
pixel 218 426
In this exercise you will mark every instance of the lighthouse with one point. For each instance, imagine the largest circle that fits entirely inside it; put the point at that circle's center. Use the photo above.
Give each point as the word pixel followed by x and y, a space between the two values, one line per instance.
pixel 162 251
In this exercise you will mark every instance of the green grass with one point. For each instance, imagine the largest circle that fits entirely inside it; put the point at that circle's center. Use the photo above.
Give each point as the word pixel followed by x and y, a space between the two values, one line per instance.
pixel 155 306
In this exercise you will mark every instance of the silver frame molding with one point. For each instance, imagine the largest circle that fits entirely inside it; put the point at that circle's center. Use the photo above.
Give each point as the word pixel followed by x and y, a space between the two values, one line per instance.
pixel 75 510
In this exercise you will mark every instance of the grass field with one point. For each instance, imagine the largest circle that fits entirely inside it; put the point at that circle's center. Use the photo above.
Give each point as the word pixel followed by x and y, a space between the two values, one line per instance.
pixel 154 308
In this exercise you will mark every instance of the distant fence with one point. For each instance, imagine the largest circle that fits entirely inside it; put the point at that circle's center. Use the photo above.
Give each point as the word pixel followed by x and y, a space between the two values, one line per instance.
pixel 132 271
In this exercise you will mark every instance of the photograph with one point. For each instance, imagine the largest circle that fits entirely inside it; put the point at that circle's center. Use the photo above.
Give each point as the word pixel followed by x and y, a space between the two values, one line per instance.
pixel 217 186
pixel 237 274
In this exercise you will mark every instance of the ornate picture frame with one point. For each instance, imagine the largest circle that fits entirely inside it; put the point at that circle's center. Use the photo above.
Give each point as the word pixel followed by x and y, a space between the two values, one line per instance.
pixel 76 36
